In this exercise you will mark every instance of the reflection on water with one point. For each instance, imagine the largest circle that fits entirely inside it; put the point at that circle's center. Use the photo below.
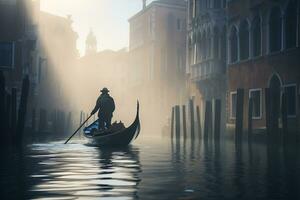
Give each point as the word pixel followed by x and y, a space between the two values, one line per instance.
pixel 152 169
pixel 81 171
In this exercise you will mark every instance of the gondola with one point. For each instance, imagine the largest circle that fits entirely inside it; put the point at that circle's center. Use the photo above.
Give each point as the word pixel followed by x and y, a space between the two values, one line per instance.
pixel 116 136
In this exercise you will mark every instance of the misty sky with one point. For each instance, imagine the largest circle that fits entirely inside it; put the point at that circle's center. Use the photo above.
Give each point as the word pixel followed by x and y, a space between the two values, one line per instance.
pixel 107 18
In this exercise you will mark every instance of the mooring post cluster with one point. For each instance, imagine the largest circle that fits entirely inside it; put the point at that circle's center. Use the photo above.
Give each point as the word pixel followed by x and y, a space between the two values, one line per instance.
pixel 181 120
pixel 12 119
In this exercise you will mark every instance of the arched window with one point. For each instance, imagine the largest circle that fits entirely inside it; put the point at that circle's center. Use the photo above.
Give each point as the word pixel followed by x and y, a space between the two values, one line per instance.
pixel 291 24
pixel 244 40
pixel 223 47
pixel 208 39
pixel 204 47
pixel 256 36
pixel 216 43
pixel 199 44
pixel 233 45
pixel 275 30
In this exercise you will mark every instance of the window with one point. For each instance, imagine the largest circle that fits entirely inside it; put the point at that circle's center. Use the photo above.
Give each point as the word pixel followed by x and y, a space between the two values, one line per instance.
pixel 223 47
pixel 6 54
pixel 199 43
pixel 233 97
pixel 216 43
pixel 233 45
pixel 291 99
pixel 204 45
pixel 256 35
pixel 256 96
pixel 275 30
pixel 291 24
pixel 244 40
pixel 208 46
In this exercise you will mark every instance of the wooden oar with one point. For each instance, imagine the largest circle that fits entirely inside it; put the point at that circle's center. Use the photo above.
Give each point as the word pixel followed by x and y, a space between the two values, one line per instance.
pixel 78 129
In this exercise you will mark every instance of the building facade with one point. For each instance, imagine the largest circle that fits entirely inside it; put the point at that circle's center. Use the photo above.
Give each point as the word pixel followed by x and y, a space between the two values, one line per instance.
pixel 157 53
pixel 263 52
pixel 18 42
pixel 57 60
pixel 206 52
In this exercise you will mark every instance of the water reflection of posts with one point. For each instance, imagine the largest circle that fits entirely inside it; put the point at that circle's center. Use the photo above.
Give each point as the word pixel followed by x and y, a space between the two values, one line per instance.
pixel 239 115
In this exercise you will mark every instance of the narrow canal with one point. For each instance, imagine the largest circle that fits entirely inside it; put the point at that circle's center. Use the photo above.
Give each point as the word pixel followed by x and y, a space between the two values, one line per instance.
pixel 152 169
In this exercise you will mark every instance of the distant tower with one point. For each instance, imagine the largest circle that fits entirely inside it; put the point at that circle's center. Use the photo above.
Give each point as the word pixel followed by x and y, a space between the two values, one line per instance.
pixel 90 44
pixel 144 4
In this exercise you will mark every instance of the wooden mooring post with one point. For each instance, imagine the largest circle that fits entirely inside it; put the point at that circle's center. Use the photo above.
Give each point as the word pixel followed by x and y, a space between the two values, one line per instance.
pixel 184 121
pixel 80 122
pixel 177 124
pixel 13 113
pixel 69 122
pixel 172 122
pixel 284 117
pixel 250 113
pixel 2 103
pixel 208 121
pixel 22 110
pixel 63 122
pixel 199 122
pixel 43 120
pixel 192 120
pixel 33 120
pixel 8 116
pixel 239 115
pixel 217 120
pixel 267 109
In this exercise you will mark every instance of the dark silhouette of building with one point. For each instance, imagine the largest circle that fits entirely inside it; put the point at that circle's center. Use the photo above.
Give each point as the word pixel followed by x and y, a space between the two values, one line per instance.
pixel 18 42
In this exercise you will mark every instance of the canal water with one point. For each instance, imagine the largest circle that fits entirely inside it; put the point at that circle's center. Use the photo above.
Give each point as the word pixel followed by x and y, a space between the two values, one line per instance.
pixel 152 169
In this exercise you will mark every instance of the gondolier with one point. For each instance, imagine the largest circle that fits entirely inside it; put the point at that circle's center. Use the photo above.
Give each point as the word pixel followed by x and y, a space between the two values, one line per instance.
pixel 106 106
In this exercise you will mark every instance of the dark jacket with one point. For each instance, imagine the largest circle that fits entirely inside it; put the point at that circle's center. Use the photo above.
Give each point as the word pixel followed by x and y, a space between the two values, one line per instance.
pixel 105 104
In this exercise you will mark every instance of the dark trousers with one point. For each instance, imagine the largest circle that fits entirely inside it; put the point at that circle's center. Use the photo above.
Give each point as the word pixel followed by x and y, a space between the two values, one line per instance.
pixel 104 122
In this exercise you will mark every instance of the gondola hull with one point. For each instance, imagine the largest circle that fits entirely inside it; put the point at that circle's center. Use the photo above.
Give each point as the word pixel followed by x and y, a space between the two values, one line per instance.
pixel 119 138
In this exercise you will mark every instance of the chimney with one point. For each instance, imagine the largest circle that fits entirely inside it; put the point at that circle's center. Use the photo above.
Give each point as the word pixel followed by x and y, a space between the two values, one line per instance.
pixel 144 4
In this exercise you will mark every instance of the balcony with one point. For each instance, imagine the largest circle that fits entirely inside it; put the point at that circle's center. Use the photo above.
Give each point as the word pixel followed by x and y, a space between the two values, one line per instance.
pixel 207 70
